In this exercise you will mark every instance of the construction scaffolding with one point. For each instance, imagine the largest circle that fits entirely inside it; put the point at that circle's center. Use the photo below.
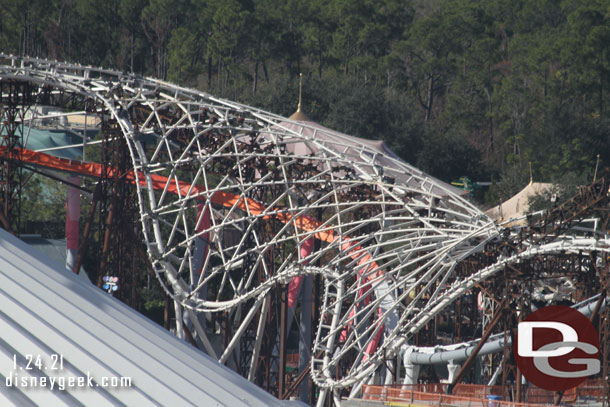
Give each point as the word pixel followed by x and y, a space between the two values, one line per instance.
pixel 260 227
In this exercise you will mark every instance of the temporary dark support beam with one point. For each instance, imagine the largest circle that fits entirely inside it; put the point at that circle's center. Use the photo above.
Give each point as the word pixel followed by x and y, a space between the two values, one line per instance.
pixel 283 334
pixel 297 382
pixel 267 358
pixel 106 242
pixel 602 328
pixel 519 375
pixel 557 398
pixel 519 387
pixel 295 385
pixel 598 306
pixel 55 178
pixel 166 308
pixel 5 223
pixel 497 316
pixel 605 354
pixel 83 246
pixel 189 337
pixel 487 293
pixel 166 313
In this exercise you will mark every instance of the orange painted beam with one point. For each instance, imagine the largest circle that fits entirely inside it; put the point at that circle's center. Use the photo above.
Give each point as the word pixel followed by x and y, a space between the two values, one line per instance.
pixel 181 188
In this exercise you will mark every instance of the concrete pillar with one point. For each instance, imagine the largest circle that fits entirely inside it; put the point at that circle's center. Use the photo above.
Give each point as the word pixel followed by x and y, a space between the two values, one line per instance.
pixel 72 218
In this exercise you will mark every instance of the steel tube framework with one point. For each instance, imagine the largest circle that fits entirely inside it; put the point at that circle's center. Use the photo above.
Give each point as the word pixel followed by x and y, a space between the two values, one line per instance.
pixel 391 240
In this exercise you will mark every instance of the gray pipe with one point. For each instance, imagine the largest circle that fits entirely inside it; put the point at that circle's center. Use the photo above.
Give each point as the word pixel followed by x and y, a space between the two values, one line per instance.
pixel 494 344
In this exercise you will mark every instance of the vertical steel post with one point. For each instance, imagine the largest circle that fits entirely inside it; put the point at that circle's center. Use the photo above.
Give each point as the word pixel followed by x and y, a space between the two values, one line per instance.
pixel 282 367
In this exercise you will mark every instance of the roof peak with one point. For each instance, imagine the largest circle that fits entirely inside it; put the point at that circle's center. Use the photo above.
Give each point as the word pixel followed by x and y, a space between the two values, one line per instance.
pixel 299 117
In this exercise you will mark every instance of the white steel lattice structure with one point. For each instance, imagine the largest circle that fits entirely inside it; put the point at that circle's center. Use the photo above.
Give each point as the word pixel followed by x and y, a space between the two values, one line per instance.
pixel 231 198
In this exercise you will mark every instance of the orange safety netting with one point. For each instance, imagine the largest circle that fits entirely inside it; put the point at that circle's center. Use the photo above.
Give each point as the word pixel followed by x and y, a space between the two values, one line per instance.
pixel 475 395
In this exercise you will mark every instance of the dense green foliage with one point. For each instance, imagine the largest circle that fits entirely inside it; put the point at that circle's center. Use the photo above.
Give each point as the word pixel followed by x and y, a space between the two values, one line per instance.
pixel 478 88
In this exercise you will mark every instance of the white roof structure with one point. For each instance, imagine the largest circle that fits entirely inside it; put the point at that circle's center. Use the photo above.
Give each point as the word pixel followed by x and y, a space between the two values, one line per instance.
pixel 373 154
pixel 49 314
pixel 518 205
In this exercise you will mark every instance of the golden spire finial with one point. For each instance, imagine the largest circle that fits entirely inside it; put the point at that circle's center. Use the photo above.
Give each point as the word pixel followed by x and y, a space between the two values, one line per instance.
pixel 300 91
pixel 531 174
pixel 299 116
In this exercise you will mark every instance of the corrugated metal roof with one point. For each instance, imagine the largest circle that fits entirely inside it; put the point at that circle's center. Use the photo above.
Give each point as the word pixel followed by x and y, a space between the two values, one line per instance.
pixel 46 311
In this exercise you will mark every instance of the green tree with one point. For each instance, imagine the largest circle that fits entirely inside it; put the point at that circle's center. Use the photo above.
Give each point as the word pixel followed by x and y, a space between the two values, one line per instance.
pixel 430 56
pixel 43 204
pixel 228 31
pixel 159 18
pixel 130 12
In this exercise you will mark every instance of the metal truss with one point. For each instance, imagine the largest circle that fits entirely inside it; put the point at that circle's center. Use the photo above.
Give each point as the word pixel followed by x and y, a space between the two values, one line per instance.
pixel 253 188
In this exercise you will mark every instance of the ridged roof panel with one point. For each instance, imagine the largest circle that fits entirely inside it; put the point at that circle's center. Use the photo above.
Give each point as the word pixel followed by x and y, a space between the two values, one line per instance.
pixel 45 310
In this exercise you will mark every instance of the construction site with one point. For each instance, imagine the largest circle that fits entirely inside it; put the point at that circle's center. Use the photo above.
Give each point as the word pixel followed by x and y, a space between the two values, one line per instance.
pixel 318 266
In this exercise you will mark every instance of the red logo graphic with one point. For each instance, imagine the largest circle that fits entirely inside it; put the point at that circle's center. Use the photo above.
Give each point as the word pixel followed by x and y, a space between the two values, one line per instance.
pixel 556 348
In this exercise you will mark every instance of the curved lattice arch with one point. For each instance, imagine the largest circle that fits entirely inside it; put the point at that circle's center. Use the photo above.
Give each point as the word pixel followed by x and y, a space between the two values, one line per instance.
pixel 234 201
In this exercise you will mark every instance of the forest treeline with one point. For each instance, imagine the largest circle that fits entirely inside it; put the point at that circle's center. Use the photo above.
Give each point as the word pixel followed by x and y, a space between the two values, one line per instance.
pixel 480 88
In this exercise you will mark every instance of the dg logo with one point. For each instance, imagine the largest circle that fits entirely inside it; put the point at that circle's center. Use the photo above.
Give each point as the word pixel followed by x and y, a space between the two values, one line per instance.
pixel 556 348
